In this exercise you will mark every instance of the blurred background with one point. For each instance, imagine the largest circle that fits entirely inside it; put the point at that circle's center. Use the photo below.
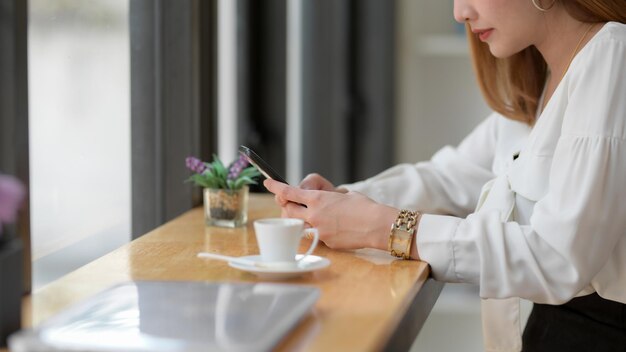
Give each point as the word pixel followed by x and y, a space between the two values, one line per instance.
pixel 121 91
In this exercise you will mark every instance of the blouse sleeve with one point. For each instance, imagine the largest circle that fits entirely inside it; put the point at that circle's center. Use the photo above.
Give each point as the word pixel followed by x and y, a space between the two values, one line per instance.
pixel 449 183
pixel 576 226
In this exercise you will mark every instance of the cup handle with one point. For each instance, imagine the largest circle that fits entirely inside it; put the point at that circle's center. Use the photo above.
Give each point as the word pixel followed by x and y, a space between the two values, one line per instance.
pixel 316 237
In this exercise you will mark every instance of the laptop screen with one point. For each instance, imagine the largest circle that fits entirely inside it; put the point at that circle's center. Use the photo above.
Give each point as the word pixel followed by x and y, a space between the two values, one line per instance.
pixel 175 316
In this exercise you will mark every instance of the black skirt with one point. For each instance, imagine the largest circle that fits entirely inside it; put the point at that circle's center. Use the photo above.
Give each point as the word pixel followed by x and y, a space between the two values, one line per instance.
pixel 587 323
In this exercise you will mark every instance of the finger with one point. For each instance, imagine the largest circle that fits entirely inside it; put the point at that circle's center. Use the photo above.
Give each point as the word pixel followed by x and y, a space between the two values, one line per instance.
pixel 295 211
pixel 311 181
pixel 289 193
pixel 316 182
pixel 280 201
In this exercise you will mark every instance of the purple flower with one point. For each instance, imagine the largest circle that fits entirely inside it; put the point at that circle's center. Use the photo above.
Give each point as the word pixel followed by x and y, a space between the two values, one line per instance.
pixel 237 167
pixel 194 164
pixel 11 196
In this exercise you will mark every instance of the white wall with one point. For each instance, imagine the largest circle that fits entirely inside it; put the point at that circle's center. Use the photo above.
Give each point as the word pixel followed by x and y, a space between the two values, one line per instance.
pixel 438 99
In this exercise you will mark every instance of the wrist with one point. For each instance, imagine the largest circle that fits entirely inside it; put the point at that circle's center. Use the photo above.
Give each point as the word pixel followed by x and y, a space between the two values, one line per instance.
pixel 379 236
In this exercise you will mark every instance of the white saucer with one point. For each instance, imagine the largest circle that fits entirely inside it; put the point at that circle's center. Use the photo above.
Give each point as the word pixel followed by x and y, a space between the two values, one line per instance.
pixel 308 264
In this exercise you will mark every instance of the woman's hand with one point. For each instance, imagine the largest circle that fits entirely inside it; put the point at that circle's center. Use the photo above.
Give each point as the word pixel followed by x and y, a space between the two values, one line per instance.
pixel 317 182
pixel 312 182
pixel 344 220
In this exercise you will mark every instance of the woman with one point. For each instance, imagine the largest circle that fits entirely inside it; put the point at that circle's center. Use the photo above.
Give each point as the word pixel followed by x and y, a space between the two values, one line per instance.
pixel 532 203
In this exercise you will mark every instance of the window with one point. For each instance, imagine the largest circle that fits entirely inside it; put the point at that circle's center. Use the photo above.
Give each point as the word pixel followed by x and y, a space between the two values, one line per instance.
pixel 79 132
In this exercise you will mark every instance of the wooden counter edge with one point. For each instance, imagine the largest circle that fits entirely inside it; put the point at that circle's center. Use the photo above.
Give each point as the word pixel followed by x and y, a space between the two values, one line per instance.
pixel 415 316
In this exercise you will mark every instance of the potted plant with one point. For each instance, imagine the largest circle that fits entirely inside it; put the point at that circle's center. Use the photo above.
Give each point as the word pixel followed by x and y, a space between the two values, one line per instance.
pixel 11 286
pixel 225 189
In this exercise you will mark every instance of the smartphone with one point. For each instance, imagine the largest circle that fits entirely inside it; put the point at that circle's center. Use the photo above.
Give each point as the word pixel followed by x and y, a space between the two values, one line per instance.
pixel 260 164
pixel 263 167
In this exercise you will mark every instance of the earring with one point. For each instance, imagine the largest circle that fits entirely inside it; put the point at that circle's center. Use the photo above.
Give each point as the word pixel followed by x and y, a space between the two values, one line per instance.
pixel 543 9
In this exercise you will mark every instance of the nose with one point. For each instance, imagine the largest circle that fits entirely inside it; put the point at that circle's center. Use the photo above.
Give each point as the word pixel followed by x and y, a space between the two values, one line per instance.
pixel 463 11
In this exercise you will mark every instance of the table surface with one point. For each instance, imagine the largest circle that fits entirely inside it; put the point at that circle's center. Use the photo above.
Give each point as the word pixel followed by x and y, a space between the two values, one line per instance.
pixel 365 294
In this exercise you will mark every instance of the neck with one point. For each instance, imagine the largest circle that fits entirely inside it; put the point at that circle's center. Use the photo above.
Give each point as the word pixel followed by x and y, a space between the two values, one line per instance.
pixel 560 38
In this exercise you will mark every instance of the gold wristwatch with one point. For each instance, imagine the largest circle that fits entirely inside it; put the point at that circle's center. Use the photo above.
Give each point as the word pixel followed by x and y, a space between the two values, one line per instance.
pixel 402 233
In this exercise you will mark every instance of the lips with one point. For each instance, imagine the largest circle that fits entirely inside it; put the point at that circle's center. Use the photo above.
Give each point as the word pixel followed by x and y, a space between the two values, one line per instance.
pixel 483 34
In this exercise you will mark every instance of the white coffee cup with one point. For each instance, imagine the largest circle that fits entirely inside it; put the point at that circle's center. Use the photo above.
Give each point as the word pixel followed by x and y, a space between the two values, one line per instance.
pixel 279 239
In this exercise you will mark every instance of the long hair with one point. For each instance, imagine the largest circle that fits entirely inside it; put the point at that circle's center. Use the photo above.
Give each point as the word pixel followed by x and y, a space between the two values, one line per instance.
pixel 512 86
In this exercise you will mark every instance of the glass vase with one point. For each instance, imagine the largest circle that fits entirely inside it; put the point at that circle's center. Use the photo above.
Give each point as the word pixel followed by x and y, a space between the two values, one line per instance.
pixel 226 207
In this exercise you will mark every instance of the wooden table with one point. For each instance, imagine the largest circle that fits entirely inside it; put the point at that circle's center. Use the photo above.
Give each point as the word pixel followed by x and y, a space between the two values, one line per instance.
pixel 369 300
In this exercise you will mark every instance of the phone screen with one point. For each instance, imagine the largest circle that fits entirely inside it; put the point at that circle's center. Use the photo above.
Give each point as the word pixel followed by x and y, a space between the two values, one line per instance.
pixel 261 165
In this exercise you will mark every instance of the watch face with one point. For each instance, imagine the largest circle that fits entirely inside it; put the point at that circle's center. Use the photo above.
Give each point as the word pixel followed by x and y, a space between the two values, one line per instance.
pixel 402 231
pixel 401 236
pixel 400 243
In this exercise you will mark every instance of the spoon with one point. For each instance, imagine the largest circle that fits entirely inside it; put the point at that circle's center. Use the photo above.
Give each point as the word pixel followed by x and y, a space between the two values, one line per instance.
pixel 283 265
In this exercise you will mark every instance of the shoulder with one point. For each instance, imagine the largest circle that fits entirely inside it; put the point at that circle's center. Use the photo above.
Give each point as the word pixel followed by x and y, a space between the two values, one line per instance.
pixel 613 31
pixel 607 46
pixel 611 34
pixel 596 86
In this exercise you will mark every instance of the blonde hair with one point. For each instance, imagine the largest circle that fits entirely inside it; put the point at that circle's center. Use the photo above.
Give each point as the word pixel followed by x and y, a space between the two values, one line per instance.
pixel 512 86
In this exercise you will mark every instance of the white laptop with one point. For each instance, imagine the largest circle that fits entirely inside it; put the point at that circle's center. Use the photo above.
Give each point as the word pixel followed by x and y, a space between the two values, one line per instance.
pixel 174 316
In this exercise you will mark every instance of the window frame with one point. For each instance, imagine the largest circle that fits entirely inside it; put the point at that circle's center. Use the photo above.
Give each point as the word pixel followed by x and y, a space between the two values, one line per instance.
pixel 14 151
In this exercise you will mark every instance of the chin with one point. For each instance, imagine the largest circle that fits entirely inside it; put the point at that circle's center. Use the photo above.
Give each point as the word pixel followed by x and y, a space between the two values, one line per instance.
pixel 501 53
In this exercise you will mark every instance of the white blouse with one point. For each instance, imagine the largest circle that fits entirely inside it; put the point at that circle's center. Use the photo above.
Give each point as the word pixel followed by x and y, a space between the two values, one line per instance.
pixel 537 213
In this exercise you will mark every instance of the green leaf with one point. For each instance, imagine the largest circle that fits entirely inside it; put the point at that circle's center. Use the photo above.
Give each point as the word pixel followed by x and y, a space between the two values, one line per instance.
pixel 250 172
pixel 219 168
pixel 212 183
pixel 199 180
pixel 244 181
